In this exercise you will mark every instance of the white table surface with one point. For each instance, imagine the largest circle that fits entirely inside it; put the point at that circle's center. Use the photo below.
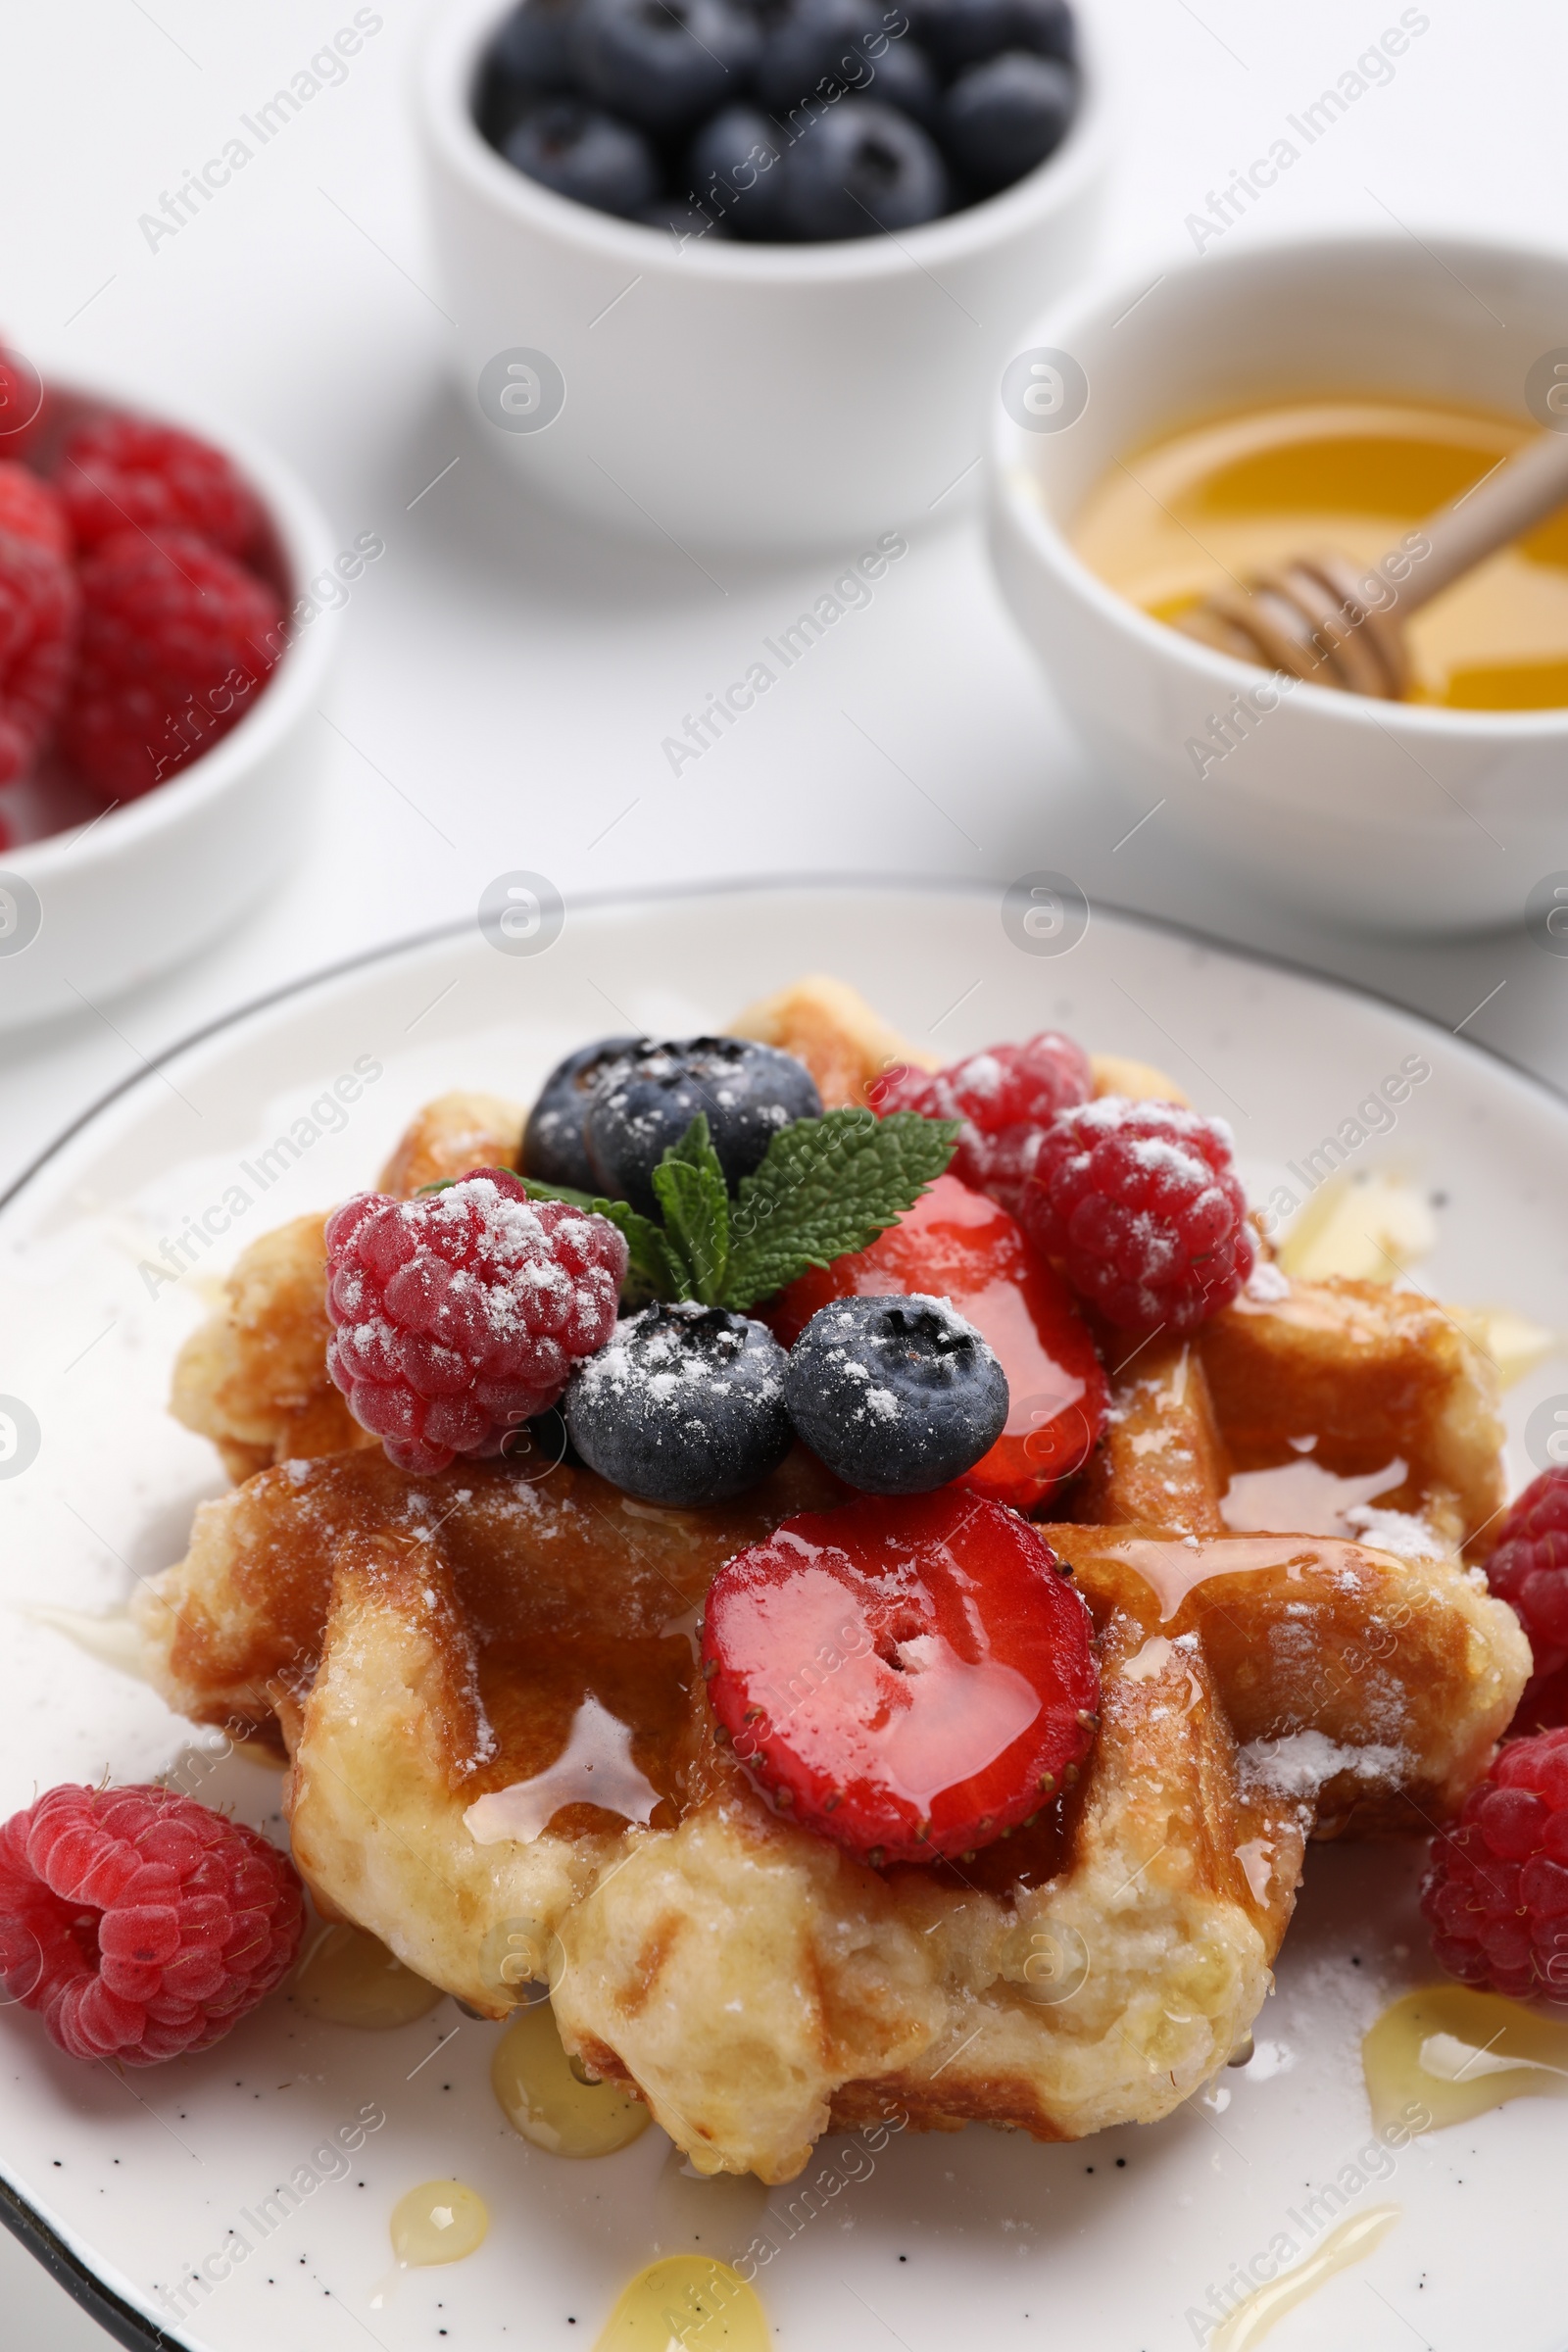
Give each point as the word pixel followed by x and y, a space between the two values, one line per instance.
pixel 506 683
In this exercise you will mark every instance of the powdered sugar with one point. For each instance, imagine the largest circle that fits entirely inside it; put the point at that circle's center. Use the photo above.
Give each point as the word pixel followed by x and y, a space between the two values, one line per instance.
pixel 458 1314
pixel 1402 1533
pixel 1267 1284
pixel 1303 1763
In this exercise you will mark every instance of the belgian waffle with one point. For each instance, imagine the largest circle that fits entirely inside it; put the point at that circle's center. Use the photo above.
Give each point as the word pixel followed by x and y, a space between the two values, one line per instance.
pixel 502 1762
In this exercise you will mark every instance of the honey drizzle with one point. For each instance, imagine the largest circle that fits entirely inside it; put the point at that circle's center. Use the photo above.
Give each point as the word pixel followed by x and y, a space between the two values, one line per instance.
pixel 596 1767
pixel 1450 2052
pixel 550 2106
pixel 348 1978
pixel 1352 2241
pixel 1304 1496
pixel 1173 1567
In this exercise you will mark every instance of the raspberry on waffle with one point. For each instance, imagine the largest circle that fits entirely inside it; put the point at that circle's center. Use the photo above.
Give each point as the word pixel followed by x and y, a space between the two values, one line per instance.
pixel 254 1377
pixel 501 1741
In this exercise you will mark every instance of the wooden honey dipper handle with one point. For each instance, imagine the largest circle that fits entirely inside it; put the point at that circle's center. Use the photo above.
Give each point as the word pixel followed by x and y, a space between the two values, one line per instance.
pixel 1324 619
pixel 1507 502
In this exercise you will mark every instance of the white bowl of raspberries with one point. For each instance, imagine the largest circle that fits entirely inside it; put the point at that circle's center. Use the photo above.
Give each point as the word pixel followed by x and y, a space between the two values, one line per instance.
pixel 748 273
pixel 161 661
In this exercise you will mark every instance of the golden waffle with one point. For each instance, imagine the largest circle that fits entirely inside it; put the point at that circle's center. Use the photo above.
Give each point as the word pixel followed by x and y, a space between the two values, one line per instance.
pixel 478 1639
pixel 846 1044
pixel 254 1377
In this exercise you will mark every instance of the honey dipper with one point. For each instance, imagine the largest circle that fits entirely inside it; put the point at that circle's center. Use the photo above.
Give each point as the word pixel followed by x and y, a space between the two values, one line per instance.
pixel 1332 621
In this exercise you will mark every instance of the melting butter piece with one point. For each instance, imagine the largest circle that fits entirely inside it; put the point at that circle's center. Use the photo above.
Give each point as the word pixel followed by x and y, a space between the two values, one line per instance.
pixel 549 2105
pixel 1352 2241
pixel 440 2221
pixel 690 2300
pixel 1451 2052
pixel 1366 1227
pixel 350 1979
pixel 1514 1344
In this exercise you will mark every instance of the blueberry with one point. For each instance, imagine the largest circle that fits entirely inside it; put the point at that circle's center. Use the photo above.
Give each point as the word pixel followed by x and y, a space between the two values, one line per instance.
pixel 749 1093
pixel 960 32
pixel 1047 27
pixel 817 47
pixel 734 171
pixel 532 50
pixel 684 1405
pixel 904 76
pixel 1002 119
pixel 580 152
pixel 896 1395
pixel 663 63
pixel 862 167
pixel 553 1149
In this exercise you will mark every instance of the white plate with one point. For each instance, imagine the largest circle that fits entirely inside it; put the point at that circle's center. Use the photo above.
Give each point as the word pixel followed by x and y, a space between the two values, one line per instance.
pixel 1112 2242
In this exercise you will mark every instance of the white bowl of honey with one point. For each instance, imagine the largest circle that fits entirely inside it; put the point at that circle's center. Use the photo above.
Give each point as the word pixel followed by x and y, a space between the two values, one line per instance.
pixel 1159 442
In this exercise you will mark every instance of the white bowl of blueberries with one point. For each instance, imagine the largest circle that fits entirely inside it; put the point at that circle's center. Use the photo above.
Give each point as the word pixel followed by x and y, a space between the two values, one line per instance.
pixel 747 272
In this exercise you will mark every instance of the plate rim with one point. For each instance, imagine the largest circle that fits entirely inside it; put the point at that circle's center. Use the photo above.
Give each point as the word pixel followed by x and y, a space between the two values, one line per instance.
pixel 747 885
pixel 121 2321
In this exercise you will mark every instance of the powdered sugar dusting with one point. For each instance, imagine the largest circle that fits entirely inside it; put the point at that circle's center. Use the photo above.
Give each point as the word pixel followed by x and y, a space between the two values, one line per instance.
pixel 1303 1763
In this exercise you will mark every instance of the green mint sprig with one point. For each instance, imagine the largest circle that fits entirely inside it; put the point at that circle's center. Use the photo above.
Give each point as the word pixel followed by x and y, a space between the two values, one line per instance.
pixel 826 1188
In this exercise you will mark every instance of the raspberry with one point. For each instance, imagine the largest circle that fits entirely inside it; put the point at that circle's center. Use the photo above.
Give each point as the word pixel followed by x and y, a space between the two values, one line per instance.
pixel 458 1316
pixel 139 1924
pixel 1005 1099
pixel 1496 1893
pixel 1529 1568
pixel 30 510
pixel 1141 1202
pixel 22 401
pixel 123 473
pixel 38 614
pixel 175 638
pixel 911 1678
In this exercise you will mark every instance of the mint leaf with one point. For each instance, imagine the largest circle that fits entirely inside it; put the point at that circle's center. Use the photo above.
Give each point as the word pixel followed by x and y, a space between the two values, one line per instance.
pixel 652 1264
pixel 688 1183
pixel 828 1186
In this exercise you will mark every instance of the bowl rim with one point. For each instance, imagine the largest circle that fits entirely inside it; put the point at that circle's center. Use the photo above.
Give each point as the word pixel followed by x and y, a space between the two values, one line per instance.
pixel 1084 310
pixel 446 58
pixel 294 682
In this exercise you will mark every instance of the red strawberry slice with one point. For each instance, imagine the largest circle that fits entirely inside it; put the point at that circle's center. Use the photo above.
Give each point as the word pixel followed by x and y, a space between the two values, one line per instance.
pixel 909 1677
pixel 954 1244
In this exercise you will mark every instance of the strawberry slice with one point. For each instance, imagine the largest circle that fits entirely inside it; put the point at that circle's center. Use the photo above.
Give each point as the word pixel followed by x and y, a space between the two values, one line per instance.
pixel 909 1677
pixel 956 1244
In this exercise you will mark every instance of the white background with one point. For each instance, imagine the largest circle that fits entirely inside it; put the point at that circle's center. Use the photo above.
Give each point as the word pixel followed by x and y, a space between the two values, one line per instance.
pixel 505 683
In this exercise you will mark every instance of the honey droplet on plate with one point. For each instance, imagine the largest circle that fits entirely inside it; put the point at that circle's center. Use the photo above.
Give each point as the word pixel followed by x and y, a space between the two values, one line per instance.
pixel 350 1979
pixel 440 2221
pixel 550 2106
pixel 1448 2052
pixel 690 2300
